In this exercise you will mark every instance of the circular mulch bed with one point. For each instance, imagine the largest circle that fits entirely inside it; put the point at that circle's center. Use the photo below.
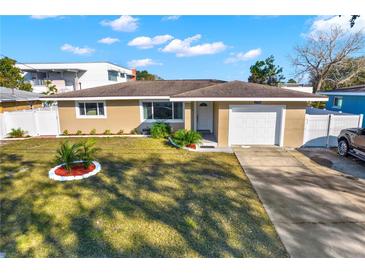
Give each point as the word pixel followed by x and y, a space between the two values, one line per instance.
pixel 78 172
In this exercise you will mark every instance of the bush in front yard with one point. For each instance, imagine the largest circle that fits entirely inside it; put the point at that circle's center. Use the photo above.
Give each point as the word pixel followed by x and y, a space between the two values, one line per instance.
pixel 17 133
pixel 160 130
pixel 184 137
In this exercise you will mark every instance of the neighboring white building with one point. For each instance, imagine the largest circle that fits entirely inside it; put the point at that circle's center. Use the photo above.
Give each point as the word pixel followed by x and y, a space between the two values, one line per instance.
pixel 74 76
pixel 298 87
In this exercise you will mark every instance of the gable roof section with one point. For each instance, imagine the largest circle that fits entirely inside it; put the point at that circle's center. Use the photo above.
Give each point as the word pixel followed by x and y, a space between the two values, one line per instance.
pixel 10 95
pixel 164 88
pixel 188 90
pixel 239 90
pixel 351 91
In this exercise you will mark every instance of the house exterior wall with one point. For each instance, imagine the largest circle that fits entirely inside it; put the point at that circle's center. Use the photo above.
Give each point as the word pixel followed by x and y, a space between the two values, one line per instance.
pixel 188 115
pixel 350 104
pixel 93 74
pixel 294 121
pixel 20 105
pixel 120 115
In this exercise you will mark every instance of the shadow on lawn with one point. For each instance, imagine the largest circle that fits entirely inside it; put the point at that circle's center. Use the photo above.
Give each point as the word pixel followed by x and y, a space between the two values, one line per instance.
pixel 209 203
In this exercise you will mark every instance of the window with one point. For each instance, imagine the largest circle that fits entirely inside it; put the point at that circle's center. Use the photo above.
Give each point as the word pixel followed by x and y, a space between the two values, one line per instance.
pixel 91 109
pixel 112 75
pixel 337 102
pixel 162 110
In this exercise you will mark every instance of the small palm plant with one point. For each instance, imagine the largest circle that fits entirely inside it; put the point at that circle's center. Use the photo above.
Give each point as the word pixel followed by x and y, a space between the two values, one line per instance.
pixel 87 151
pixel 67 154
pixel 17 133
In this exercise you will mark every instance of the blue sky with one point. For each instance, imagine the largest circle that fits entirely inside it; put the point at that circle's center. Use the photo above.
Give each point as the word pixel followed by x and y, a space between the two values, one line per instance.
pixel 219 47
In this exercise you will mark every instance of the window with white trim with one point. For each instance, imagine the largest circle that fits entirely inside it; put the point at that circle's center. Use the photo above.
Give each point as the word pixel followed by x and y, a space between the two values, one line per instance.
pixel 91 109
pixel 337 102
pixel 161 110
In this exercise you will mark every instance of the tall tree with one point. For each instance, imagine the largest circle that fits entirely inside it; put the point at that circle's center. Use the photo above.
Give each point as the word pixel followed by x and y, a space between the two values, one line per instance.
pixel 349 72
pixel 144 75
pixel 323 52
pixel 266 72
pixel 11 76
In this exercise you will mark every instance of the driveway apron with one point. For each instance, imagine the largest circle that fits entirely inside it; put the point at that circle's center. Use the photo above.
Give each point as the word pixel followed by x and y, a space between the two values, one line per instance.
pixel 317 212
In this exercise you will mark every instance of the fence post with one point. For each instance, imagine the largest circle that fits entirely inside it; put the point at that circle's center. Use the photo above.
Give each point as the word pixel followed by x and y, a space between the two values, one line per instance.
pixel 360 120
pixel 328 130
pixel 36 122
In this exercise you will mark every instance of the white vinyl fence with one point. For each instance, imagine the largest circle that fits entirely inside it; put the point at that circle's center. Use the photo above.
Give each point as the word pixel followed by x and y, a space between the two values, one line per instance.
pixel 322 127
pixel 36 122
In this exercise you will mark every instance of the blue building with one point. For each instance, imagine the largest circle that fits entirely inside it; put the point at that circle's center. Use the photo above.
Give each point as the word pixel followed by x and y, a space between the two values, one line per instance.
pixel 348 100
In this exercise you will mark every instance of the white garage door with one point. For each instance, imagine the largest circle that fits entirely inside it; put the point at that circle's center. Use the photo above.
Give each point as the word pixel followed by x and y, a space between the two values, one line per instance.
pixel 255 125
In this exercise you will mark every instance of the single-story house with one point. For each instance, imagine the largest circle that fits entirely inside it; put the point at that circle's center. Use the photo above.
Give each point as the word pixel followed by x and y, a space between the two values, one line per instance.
pixel 350 100
pixel 234 113
pixel 15 99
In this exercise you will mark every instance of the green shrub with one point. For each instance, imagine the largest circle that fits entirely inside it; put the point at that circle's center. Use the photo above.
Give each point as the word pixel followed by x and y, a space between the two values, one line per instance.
pixel 184 137
pixel 120 132
pixel 79 132
pixel 107 132
pixel 93 131
pixel 17 133
pixel 65 132
pixel 67 153
pixel 160 130
pixel 87 152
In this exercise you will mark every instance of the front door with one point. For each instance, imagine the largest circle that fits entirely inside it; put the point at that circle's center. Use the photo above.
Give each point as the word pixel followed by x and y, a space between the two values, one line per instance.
pixel 205 116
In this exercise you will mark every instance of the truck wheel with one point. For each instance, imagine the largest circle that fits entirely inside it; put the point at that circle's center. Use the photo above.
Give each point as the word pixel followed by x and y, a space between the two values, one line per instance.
pixel 343 147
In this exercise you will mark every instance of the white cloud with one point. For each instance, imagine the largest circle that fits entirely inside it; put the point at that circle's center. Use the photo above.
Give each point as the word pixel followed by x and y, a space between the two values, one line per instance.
pixel 171 18
pixel 143 63
pixel 183 48
pixel 77 50
pixel 108 40
pixel 40 17
pixel 145 42
pixel 325 23
pixel 124 23
pixel 243 56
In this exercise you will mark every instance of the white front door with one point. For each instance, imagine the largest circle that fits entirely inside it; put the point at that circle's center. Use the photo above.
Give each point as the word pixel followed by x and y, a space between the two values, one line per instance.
pixel 205 116
pixel 255 125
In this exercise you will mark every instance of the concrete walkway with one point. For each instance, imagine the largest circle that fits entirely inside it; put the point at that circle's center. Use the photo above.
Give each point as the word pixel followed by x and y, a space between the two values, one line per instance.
pixel 317 211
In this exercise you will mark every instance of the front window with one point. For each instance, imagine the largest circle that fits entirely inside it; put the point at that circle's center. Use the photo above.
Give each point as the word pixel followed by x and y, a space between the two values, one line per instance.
pixel 91 109
pixel 162 110
pixel 337 102
pixel 112 75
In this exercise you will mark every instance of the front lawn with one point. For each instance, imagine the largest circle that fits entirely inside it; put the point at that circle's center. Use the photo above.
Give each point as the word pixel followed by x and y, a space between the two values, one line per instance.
pixel 149 200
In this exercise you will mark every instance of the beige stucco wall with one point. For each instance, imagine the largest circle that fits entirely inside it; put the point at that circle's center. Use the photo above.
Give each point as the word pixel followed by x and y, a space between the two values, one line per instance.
pixel 294 121
pixel 121 115
pixel 19 105
pixel 188 115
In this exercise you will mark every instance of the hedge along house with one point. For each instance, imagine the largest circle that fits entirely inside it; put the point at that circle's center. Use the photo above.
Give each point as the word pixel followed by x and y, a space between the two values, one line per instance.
pixel 232 113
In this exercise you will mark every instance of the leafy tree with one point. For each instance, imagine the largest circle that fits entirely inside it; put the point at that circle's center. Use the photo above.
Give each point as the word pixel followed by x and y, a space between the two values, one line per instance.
pixel 144 75
pixel 266 72
pixel 11 76
pixel 51 88
pixel 292 81
pixel 325 52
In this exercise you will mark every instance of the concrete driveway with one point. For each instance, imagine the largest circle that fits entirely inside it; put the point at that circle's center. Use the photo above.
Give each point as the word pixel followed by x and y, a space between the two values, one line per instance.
pixel 317 211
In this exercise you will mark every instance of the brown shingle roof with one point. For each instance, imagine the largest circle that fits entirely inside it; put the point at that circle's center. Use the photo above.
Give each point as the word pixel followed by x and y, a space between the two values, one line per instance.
pixel 243 89
pixel 186 89
pixel 140 88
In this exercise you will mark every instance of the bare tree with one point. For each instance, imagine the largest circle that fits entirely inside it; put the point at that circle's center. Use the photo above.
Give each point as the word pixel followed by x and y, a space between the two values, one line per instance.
pixel 345 73
pixel 323 51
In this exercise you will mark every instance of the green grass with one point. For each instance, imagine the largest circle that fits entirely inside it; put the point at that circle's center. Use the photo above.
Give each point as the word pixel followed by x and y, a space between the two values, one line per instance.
pixel 149 200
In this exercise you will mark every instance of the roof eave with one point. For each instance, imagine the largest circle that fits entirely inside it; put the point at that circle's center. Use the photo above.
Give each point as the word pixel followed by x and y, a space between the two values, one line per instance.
pixel 247 99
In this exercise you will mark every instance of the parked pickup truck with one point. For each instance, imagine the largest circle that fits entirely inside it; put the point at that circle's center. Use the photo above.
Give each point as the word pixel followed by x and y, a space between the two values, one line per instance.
pixel 352 141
